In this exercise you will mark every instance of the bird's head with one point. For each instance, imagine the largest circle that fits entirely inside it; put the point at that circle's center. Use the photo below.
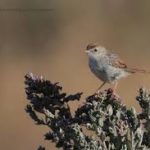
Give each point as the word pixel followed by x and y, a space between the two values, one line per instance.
pixel 94 50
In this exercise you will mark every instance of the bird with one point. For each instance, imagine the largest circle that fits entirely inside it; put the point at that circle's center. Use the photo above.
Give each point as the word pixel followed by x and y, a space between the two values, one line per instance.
pixel 108 66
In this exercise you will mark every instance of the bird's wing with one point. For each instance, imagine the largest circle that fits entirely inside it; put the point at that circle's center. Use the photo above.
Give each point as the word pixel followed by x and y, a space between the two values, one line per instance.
pixel 119 63
pixel 116 61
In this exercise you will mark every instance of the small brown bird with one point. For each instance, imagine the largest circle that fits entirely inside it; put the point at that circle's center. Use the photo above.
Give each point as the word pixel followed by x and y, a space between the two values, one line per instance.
pixel 107 66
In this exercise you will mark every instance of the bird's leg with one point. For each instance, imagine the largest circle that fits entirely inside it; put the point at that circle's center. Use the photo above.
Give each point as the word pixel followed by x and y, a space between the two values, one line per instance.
pixel 114 89
pixel 115 86
pixel 98 90
pixel 114 93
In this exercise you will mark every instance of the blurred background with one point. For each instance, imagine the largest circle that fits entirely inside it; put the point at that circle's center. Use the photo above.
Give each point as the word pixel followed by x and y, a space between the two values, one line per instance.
pixel 48 38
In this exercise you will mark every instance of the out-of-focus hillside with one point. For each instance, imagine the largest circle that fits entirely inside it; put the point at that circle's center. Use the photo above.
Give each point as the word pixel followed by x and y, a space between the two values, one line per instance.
pixel 52 43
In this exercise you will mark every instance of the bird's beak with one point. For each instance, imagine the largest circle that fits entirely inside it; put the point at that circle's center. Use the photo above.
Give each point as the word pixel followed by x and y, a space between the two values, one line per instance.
pixel 86 51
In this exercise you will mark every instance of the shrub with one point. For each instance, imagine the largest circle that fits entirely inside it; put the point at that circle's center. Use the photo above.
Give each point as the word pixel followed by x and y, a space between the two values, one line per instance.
pixel 115 126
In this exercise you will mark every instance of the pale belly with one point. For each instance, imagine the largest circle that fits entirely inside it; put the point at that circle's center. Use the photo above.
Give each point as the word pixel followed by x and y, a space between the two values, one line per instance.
pixel 108 73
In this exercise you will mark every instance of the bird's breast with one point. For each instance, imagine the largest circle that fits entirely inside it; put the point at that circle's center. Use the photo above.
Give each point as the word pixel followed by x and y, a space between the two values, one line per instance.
pixel 105 71
pixel 98 68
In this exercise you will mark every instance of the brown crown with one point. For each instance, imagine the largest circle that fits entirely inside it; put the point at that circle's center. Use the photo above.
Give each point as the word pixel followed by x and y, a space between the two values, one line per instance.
pixel 91 46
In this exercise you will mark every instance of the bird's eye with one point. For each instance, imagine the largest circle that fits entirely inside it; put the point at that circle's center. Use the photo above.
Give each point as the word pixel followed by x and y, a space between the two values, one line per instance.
pixel 95 50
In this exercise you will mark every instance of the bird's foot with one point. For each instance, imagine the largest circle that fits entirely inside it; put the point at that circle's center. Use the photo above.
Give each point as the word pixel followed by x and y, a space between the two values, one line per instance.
pixel 109 91
pixel 98 93
pixel 112 92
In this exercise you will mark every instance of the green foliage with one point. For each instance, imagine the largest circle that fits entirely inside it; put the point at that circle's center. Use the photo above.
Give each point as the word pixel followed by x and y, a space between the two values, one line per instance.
pixel 115 126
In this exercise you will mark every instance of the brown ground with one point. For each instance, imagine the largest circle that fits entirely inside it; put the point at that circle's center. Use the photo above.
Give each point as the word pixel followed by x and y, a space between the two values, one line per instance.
pixel 52 43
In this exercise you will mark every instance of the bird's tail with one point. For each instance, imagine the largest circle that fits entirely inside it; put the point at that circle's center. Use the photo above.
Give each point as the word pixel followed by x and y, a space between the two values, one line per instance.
pixel 136 70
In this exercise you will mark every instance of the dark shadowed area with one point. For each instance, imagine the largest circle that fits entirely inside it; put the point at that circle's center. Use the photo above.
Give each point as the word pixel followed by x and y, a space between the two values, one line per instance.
pixel 49 37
